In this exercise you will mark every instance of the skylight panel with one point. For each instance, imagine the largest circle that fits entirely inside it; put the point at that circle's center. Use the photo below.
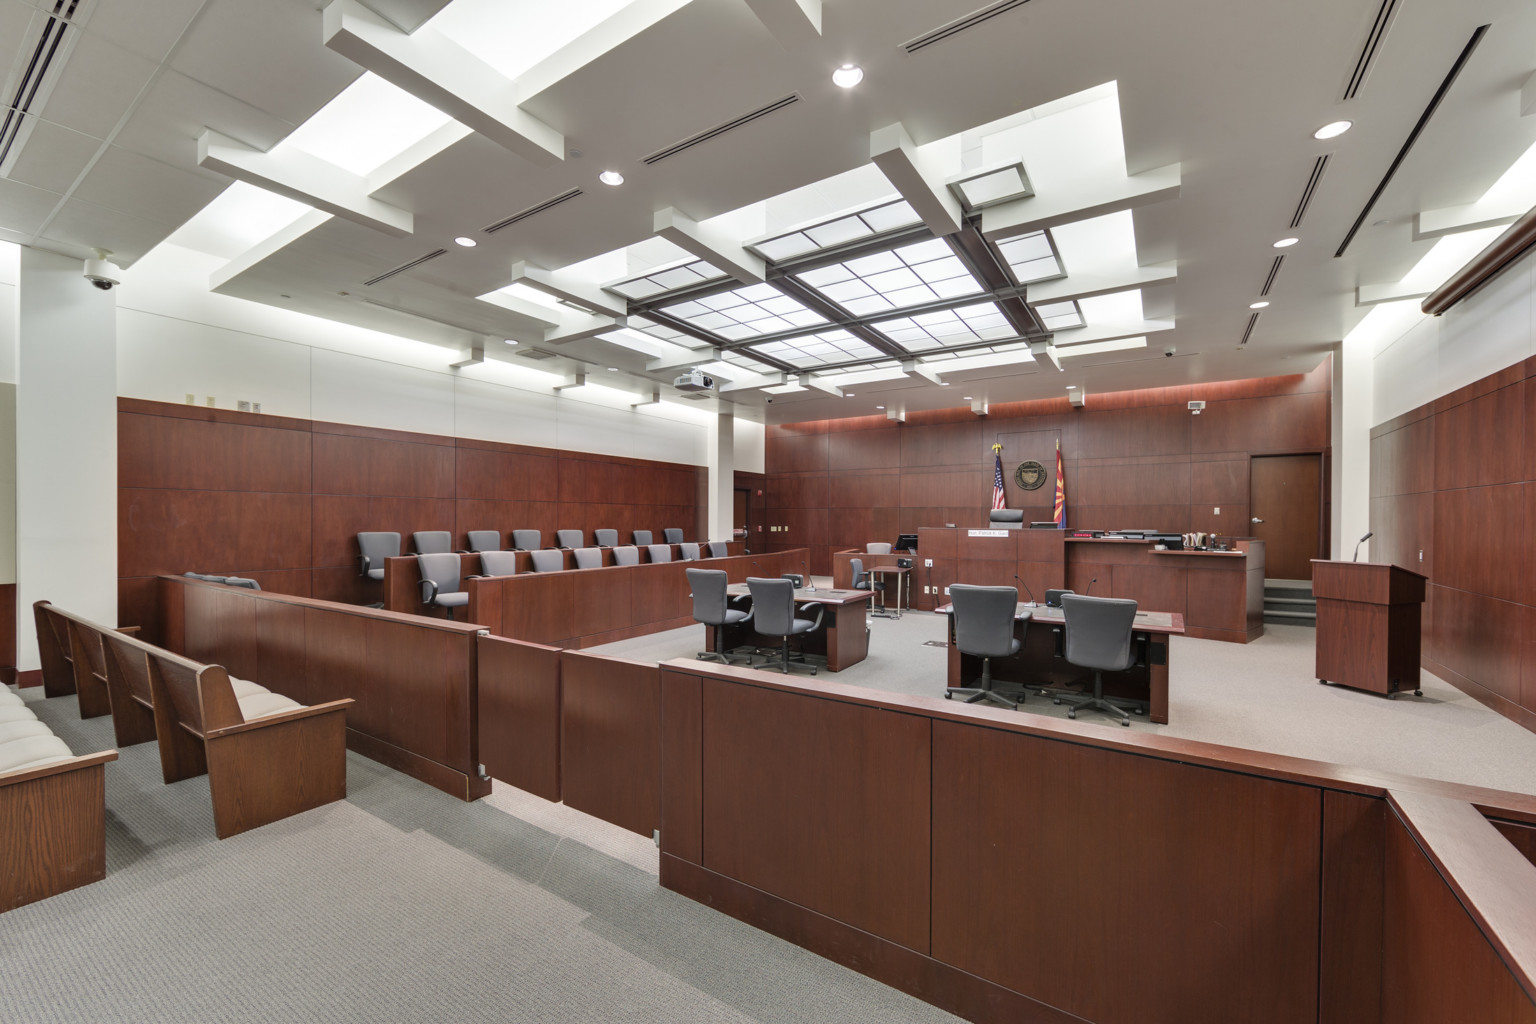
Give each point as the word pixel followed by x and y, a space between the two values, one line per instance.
pixel 1030 257
pixel 749 312
pixel 667 279
pixel 912 275
pixel 995 186
pixel 663 332
pixel 1058 316
pixel 947 328
pixel 809 351
pixel 838 231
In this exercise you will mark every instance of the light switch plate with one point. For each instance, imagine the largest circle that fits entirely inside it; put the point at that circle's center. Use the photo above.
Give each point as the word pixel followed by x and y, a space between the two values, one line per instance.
pixel 927 563
pixel 1218 510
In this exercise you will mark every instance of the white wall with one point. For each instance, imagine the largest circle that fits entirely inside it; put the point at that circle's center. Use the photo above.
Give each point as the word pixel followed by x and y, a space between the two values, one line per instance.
pixel 751 446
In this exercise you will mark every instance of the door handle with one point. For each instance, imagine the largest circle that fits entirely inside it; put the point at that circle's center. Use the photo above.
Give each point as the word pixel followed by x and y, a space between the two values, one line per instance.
pixel 1257 519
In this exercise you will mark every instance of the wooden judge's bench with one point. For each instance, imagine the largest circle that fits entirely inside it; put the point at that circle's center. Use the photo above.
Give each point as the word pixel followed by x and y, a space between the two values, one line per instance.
pixel 1219 593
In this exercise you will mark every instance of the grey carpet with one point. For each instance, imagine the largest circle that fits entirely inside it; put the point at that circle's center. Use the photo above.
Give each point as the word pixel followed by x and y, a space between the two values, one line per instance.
pixel 398 904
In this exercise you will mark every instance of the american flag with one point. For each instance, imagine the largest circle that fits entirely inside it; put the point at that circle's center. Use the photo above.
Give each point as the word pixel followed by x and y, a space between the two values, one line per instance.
pixel 999 500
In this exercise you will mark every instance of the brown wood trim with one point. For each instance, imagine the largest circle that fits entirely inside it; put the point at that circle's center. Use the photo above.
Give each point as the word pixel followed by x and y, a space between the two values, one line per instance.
pixel 309 711
pixel 85 761
pixel 1485 266
pixel 357 611
pixel 144 407
pixel 439 776
pixel 64 844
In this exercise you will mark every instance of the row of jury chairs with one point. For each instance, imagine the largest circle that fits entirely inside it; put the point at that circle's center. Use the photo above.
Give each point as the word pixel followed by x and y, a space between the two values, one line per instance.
pixel 1098 637
pixel 769 606
pixel 375 547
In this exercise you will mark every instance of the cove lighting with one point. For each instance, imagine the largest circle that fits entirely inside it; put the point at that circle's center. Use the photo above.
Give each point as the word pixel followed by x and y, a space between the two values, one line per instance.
pixel 848 76
pixel 1333 129
pixel 1286 243
pixel 611 178
pixel 466 241
pixel 1257 305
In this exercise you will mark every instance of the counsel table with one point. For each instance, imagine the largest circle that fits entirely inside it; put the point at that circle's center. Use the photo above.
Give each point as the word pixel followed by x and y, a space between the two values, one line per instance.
pixel 1040 663
pixel 843 636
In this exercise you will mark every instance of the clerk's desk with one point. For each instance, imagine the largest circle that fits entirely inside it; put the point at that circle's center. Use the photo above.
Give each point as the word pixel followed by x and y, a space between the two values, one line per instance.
pixel 1039 663
pixel 843 636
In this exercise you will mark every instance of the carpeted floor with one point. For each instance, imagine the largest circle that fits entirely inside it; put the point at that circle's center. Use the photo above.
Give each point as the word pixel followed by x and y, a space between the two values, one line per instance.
pixel 399 904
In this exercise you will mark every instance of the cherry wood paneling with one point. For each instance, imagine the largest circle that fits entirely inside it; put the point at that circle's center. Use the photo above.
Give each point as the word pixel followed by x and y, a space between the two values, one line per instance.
pixel 366 465
pixel 864 449
pixel 227 532
pixel 610 739
pixel 174 453
pixel 1282 423
pixel 1354 837
pixel 506 475
pixel 1471 449
pixel 519 707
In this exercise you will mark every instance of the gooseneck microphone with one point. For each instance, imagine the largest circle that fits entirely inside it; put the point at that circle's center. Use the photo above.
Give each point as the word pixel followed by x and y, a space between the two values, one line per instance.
pixel 1090 585
pixel 1031 593
pixel 1362 540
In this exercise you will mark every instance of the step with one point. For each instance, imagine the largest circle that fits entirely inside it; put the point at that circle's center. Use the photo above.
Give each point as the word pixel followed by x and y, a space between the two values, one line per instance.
pixel 1295 618
pixel 1306 602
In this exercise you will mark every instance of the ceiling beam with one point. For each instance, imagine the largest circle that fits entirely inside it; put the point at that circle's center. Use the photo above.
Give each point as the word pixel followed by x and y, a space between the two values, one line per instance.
pixel 607 35
pixel 307 179
pixel 711 246
pixel 1375 294
pixel 577 326
pixel 796 24
pixel 1086 286
pixel 561 286
pixel 687 357
pixel 438 71
pixel 891 150
pixel 1067 339
pixel 1453 220
pixel 1082 200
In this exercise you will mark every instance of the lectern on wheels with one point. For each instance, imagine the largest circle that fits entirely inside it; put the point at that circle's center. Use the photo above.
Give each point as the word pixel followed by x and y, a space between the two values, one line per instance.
pixel 1368 625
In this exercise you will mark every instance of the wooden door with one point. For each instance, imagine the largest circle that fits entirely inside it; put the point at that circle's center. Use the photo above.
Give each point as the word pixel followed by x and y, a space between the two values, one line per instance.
pixel 1285 506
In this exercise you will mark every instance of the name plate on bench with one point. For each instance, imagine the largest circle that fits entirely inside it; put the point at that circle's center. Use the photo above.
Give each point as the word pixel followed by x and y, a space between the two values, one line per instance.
pixel 987 533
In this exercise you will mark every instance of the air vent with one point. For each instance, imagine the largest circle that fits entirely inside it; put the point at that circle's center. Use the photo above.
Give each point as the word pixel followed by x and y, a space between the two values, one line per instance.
pixel 31 88
pixel 1309 190
pixel 1274 272
pixel 402 268
pixel 534 354
pixel 696 396
pixel 969 21
pixel 720 130
pixel 536 208
pixel 1248 331
pixel 1372 46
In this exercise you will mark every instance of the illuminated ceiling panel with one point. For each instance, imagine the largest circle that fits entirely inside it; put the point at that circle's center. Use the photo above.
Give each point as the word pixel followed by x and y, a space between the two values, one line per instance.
pixel 749 312
pixel 669 279
pixel 947 328
pixel 866 224
pixel 913 275
pixel 822 349
pixel 1030 257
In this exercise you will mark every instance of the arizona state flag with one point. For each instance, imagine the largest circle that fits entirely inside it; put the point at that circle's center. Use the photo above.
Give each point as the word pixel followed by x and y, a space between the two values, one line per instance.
pixel 1061 492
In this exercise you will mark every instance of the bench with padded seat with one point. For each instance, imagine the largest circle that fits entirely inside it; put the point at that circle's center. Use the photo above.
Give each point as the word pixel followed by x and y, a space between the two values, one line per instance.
pixel 53 804
pixel 69 652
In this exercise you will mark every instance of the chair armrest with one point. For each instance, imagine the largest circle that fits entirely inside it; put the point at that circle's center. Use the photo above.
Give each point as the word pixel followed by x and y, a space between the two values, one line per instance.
pixel 821 610
pixel 428 595
pixel 364 563
pixel 129 630
pixel 313 711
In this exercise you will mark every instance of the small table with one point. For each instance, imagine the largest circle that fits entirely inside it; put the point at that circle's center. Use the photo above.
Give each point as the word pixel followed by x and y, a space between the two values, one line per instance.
pixel 843 638
pixel 902 574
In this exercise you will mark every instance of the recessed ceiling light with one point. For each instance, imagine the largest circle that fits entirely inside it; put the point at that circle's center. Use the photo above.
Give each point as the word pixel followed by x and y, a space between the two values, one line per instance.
pixel 1333 129
pixel 611 178
pixel 966 397
pixel 613 369
pixel 848 76
pixel 509 341
pixel 466 241
pixel 1257 305
pixel 879 407
pixel 944 383
pixel 1286 243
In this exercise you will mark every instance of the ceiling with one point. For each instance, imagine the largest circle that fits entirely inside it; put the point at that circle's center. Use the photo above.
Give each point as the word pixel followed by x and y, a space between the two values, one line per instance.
pixel 1191 120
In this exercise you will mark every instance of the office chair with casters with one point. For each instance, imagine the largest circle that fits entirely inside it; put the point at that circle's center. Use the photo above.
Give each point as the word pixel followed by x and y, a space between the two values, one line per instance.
pixel 626 555
pixel 712 607
pixel 547 560
pixel 570 538
pixel 527 540
pixel 642 538
pixel 659 552
pixel 485 540
pixel 498 563
pixel 589 558
pixel 773 605
pixel 605 538
pixel 717 549
pixel 672 535
pixel 376 547
pixel 864 581
pixel 687 552
pixel 432 542
pixel 877 549
pixel 1099 637
pixel 984 629
pixel 440 584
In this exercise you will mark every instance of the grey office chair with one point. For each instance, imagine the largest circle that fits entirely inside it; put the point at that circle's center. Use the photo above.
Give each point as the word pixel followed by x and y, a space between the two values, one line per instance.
pixel 1006 518
pixel 498 563
pixel 626 555
pixel 659 552
pixel 672 535
pixel 570 538
pixel 717 549
pixel 605 538
pixel 527 540
pixel 432 542
pixel 1098 637
pixel 642 538
pixel 864 581
pixel 440 584
pixel 984 629
pixel 687 552
pixel 228 581
pixel 713 608
pixel 485 540
pixel 877 549
pixel 547 560
pixel 589 558
pixel 376 547
pixel 773 606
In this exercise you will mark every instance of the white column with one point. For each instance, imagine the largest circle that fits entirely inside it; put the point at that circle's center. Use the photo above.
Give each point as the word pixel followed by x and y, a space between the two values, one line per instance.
pixel 1352 406
pixel 66 445
pixel 722 476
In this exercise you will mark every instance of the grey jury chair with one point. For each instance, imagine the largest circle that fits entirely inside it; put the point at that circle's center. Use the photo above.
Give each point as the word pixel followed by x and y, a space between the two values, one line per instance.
pixel 713 608
pixel 570 538
pixel 773 607
pixel 717 549
pixel 659 552
pixel 1098 637
pixel 687 552
pixel 547 560
pixel 984 629
pixel 432 542
pixel 498 563
pixel 605 538
pixel 440 583
pixel 376 547
pixel 642 538
pixel 672 535
pixel 877 549
pixel 626 555
pixel 228 581
pixel 1006 518
pixel 589 558
pixel 527 540
pixel 485 540
pixel 864 581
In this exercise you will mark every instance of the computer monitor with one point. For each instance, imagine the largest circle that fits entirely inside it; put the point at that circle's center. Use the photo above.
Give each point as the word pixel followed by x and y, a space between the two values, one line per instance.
pixel 1044 526
pixel 906 542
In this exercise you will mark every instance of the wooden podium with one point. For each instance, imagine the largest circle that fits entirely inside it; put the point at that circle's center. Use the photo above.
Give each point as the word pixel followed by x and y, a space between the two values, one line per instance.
pixel 1367 625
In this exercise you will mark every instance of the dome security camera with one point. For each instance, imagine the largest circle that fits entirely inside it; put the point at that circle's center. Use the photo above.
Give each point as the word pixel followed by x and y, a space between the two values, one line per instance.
pixel 1169 351
pixel 102 272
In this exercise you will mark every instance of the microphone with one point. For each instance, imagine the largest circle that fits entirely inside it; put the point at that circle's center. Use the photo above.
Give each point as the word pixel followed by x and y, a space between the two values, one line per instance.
pixel 1362 540
pixel 1090 585
pixel 810 584
pixel 1031 593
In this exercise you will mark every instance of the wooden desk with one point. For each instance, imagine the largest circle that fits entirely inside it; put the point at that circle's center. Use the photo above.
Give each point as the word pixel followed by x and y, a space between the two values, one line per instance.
pixel 843 637
pixel 1040 663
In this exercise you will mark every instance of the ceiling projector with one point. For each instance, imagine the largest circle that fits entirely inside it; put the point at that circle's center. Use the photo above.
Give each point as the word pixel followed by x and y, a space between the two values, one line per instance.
pixel 694 380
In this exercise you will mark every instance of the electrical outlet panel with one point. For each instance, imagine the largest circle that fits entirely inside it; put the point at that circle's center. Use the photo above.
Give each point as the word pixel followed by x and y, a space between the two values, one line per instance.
pixel 191 398
pixel 255 407
pixel 1217 510
pixel 927 563
pixel 210 402
pixel 243 405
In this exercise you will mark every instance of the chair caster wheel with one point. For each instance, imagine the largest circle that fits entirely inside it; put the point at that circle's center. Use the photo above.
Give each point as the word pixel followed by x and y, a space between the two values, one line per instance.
pixel 1138 711
pixel 813 671
pixel 1124 721
pixel 1054 700
pixel 947 694
pixel 1070 714
pixel 1416 693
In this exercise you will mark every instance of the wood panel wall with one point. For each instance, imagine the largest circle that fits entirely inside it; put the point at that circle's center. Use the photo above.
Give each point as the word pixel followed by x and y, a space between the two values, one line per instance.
pixel 1454 480
pixel 1132 459
pixel 281 500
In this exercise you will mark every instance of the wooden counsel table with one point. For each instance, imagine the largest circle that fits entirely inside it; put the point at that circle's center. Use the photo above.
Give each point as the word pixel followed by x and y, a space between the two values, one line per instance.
pixel 843 636
pixel 1039 663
